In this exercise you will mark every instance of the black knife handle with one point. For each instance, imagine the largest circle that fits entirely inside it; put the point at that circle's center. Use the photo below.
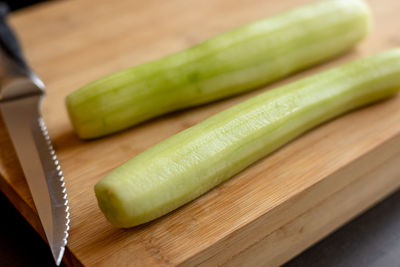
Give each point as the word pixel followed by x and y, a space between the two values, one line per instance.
pixel 8 42
pixel 16 78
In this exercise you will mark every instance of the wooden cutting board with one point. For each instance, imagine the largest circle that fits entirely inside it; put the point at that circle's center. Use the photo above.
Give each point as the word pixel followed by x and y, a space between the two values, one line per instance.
pixel 265 215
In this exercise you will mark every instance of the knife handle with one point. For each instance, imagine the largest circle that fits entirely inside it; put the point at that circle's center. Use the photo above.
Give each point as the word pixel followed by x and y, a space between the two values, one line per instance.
pixel 8 41
pixel 13 68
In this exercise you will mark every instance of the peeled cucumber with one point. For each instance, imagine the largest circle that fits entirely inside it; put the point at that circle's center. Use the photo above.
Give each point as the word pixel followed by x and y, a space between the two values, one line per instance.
pixel 231 63
pixel 190 163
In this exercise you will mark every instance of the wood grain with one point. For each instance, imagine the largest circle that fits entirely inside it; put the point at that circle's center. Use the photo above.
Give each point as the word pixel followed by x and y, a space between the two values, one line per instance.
pixel 266 214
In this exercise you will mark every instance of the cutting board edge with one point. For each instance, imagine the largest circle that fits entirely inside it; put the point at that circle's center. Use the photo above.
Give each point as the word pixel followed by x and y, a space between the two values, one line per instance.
pixel 220 252
pixel 22 206
pixel 30 215
pixel 292 236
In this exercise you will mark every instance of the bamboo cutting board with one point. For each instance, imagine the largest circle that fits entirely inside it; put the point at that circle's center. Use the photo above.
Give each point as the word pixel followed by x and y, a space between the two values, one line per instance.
pixel 265 215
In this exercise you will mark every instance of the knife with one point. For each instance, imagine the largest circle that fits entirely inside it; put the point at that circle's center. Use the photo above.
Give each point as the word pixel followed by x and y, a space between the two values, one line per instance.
pixel 21 92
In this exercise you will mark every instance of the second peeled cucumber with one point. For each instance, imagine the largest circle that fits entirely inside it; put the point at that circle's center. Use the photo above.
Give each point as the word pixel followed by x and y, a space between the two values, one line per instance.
pixel 234 62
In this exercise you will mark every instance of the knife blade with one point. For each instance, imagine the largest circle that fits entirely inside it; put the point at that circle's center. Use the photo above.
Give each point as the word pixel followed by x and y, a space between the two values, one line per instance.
pixel 21 92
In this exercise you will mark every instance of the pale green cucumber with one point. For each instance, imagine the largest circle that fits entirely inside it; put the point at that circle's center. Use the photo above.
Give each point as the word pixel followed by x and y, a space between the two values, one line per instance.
pixel 195 160
pixel 231 63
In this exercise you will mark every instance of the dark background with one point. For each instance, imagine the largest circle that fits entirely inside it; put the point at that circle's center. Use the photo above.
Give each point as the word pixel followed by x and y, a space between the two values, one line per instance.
pixel 372 239
pixel 17 4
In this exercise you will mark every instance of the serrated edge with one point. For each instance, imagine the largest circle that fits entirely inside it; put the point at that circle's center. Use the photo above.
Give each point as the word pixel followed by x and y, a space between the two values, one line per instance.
pixel 53 155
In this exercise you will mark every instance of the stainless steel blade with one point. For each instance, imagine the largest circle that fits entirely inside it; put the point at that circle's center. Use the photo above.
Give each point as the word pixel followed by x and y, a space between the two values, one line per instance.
pixel 41 168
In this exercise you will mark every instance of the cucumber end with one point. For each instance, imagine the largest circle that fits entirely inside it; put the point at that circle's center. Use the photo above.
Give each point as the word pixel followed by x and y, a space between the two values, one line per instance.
pixel 369 22
pixel 112 206
pixel 83 130
pixel 69 103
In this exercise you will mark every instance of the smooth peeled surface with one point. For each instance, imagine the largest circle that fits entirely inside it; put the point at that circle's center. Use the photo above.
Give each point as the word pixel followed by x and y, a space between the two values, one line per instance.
pixel 195 160
pixel 231 63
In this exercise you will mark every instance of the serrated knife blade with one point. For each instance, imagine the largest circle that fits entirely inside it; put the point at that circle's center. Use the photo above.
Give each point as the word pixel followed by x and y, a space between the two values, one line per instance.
pixel 21 93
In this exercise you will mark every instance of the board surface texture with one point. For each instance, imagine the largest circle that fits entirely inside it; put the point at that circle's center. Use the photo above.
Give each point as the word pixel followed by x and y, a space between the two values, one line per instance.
pixel 268 213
